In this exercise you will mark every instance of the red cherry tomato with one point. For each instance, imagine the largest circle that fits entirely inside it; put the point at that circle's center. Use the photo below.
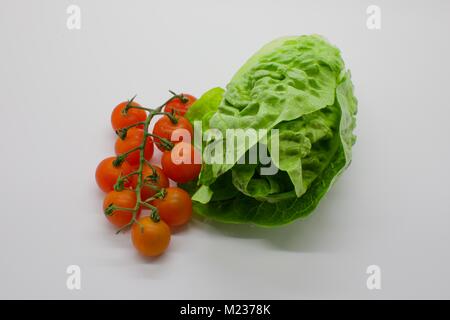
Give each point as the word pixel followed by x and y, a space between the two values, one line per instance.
pixel 182 163
pixel 175 208
pixel 123 199
pixel 165 128
pixel 134 139
pixel 179 106
pixel 106 173
pixel 133 116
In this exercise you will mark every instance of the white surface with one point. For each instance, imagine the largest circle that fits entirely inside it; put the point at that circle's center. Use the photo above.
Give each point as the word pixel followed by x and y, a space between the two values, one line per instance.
pixel 58 87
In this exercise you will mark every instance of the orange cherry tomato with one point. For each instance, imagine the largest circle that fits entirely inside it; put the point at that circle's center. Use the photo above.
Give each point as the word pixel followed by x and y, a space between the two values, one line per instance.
pixel 133 116
pixel 150 238
pixel 182 164
pixel 164 128
pixel 133 140
pixel 106 173
pixel 179 106
pixel 175 208
pixel 124 199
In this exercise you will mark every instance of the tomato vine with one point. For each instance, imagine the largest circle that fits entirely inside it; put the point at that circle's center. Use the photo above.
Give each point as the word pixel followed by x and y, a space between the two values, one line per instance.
pixel 119 186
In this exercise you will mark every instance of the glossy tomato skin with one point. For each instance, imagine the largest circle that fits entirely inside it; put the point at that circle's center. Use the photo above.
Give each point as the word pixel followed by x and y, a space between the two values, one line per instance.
pixel 118 120
pixel 177 170
pixel 164 128
pixel 175 208
pixel 150 238
pixel 106 173
pixel 125 199
pixel 134 139
pixel 178 106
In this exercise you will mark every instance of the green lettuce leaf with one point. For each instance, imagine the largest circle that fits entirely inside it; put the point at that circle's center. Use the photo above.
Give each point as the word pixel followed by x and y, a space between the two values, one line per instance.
pixel 205 107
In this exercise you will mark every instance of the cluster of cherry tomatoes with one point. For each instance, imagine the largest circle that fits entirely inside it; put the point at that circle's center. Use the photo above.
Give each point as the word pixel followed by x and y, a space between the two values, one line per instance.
pixel 133 184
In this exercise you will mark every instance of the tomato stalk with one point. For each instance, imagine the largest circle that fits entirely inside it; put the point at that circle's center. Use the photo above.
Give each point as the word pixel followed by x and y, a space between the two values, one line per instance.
pixel 160 194
pixel 151 186
pixel 158 109
pixel 121 158
pixel 111 208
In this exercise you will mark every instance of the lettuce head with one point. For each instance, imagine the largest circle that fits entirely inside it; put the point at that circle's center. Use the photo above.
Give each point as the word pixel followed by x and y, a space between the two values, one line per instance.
pixel 298 89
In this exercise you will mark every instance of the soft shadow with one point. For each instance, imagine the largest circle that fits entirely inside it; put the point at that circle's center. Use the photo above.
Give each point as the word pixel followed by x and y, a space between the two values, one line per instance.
pixel 154 260
pixel 310 234
pixel 180 229
pixel 149 267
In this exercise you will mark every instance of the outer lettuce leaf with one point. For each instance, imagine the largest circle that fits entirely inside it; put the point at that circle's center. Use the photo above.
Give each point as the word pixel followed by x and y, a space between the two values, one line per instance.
pixel 205 107
pixel 348 104
pixel 202 110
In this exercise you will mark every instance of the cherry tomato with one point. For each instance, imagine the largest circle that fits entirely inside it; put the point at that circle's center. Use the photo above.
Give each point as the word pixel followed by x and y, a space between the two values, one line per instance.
pixel 106 173
pixel 150 238
pixel 119 120
pixel 182 163
pixel 175 208
pixel 164 128
pixel 134 139
pixel 155 178
pixel 179 106
pixel 124 199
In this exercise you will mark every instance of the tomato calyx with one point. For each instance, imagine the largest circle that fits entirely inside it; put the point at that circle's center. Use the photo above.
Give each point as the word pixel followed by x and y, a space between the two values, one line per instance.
pixel 171 116
pixel 163 142
pixel 152 177
pixel 122 132
pixel 122 157
pixel 181 104
pixel 155 216
pixel 120 184
pixel 121 180
pixel 129 105
pixel 109 210
pixel 180 96
pixel 117 162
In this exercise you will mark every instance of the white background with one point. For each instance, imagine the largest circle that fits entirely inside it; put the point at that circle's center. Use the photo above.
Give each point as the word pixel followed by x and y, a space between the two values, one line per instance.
pixel 58 87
